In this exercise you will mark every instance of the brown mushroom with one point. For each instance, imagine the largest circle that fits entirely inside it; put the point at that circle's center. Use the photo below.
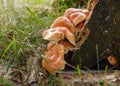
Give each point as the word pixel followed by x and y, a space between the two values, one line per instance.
pixel 62 39
pixel 54 59
pixel 112 60
pixel 70 11
pixel 59 33
pixel 86 12
pixel 67 45
pixel 67 34
pixel 51 44
pixel 63 22
pixel 79 27
pixel 53 35
pixel 77 18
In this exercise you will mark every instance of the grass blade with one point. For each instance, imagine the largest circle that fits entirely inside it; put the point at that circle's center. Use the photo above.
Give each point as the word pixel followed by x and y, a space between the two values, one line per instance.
pixel 35 16
pixel 98 66
pixel 14 43
pixel 8 47
pixel 79 71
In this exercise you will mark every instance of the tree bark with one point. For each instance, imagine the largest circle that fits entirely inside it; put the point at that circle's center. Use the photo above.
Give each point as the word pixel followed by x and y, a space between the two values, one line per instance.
pixel 104 26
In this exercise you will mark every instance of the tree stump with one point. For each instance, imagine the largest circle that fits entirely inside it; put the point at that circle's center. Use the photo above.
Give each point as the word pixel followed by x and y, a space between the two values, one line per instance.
pixel 104 35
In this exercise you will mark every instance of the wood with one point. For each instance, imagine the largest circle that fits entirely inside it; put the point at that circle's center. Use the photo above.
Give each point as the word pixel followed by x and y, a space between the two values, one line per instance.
pixel 92 78
pixel 104 26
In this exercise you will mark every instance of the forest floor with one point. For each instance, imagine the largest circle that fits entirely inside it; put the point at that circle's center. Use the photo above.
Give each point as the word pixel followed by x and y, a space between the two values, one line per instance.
pixel 89 78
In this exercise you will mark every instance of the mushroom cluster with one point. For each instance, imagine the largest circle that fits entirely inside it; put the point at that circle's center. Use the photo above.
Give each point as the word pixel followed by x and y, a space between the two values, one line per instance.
pixel 63 36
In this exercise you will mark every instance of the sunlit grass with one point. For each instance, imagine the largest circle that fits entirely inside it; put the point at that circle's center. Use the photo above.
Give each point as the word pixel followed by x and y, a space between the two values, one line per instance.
pixel 21 25
pixel 6 82
pixel 21 30
pixel 24 24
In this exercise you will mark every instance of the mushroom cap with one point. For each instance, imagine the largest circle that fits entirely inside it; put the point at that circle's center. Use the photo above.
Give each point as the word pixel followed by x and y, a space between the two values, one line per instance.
pixel 59 33
pixel 86 12
pixel 63 22
pixel 70 11
pixel 77 18
pixel 112 60
pixel 53 35
pixel 79 27
pixel 51 44
pixel 54 59
pixel 67 34
pixel 67 45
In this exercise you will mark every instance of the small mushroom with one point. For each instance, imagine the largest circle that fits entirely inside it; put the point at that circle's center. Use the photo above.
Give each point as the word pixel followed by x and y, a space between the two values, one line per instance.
pixel 77 18
pixel 63 22
pixel 59 33
pixel 86 12
pixel 53 35
pixel 51 44
pixel 79 27
pixel 67 45
pixel 70 11
pixel 67 34
pixel 112 60
pixel 54 59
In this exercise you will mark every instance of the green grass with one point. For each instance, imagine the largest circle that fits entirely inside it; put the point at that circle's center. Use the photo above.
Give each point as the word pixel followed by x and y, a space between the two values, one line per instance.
pixel 5 82
pixel 22 25
pixel 21 28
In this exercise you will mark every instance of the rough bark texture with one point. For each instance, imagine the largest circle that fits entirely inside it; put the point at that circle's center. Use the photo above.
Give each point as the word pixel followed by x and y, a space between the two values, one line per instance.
pixel 104 28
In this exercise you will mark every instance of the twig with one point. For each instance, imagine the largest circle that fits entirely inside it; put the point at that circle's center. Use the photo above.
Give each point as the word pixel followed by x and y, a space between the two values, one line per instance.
pixel 114 66
pixel 75 68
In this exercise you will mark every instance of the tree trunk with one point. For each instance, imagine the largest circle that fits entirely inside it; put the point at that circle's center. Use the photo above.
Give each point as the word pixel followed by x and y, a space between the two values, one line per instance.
pixel 104 38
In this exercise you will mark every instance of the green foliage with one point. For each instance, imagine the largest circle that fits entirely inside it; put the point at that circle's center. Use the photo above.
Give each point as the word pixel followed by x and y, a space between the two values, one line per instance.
pixel 52 80
pixel 21 28
pixel 5 82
